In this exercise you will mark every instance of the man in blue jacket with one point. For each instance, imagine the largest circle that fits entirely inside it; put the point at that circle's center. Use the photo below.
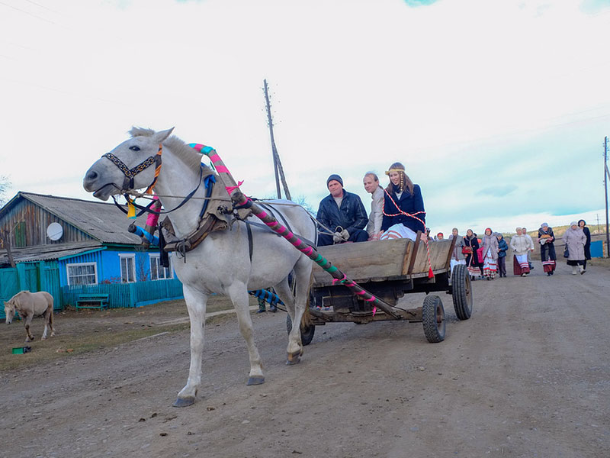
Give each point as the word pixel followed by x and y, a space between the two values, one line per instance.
pixel 343 213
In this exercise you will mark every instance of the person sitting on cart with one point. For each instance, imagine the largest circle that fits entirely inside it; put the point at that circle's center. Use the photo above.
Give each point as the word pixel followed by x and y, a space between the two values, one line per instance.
pixel 403 206
pixel 343 213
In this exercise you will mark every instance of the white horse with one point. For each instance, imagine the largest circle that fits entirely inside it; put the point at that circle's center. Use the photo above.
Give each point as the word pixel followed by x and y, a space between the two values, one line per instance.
pixel 30 305
pixel 225 262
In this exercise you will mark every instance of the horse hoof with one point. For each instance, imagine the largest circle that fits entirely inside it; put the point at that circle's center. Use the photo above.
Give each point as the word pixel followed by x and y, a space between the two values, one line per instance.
pixel 184 402
pixel 294 358
pixel 256 380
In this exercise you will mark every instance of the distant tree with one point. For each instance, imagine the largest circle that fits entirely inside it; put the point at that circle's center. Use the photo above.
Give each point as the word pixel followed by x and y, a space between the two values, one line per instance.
pixel 4 185
pixel 303 203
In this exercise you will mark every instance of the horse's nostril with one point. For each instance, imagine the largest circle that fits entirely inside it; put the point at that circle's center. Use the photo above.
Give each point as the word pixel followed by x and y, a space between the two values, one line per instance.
pixel 91 175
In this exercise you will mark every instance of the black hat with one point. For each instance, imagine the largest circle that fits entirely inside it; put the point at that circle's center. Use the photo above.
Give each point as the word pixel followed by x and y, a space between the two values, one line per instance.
pixel 335 177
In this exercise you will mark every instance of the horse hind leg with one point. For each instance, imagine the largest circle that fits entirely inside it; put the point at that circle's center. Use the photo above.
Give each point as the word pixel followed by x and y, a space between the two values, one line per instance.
pixel 298 303
pixel 48 323
pixel 239 296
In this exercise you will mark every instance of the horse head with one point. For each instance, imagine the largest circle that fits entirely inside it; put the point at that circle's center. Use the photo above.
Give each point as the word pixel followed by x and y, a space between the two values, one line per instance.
pixel 9 311
pixel 129 166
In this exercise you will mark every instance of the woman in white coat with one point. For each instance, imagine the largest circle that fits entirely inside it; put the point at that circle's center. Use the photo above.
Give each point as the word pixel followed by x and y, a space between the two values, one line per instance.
pixel 521 246
pixel 575 240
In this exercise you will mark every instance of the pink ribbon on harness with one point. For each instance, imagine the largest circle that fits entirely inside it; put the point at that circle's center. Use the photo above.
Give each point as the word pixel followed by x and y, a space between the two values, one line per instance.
pixel 230 189
pixel 335 280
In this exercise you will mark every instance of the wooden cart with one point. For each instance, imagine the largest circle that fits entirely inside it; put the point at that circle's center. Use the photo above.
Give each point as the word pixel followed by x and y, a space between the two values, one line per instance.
pixel 389 269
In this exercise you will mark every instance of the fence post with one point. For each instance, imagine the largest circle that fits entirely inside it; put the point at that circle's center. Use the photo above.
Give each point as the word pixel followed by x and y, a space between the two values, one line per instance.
pixel 133 295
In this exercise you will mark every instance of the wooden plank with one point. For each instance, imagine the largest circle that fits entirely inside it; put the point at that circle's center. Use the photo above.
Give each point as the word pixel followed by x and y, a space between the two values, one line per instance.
pixel 365 260
pixel 407 258
pixel 379 260
pixel 414 253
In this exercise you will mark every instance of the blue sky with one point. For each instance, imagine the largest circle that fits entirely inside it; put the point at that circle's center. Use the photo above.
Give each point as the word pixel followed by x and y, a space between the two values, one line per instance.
pixel 497 109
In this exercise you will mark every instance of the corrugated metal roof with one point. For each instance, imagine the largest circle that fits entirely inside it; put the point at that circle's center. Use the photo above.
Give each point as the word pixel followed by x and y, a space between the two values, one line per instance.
pixel 49 252
pixel 102 221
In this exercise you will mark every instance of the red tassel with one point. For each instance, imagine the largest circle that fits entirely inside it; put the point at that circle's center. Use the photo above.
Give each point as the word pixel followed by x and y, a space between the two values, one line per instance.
pixel 430 273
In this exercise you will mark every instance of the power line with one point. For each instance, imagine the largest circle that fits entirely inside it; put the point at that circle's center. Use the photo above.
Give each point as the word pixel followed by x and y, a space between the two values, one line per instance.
pixel 28 13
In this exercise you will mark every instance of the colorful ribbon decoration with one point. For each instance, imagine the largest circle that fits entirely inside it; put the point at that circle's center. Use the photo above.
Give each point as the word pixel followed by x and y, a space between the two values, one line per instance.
pixel 245 202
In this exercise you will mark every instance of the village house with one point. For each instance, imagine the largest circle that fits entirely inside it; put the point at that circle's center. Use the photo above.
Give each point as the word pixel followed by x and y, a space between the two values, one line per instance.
pixel 69 246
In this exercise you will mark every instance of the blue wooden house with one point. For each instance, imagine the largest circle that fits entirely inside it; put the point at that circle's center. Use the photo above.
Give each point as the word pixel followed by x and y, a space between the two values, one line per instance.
pixel 70 246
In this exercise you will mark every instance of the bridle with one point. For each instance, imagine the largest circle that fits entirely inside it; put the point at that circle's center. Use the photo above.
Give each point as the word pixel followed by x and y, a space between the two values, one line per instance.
pixel 128 183
pixel 130 174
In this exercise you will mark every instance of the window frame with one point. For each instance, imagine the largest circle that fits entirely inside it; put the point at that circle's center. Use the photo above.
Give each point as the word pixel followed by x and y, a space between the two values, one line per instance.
pixel 81 264
pixel 156 258
pixel 127 257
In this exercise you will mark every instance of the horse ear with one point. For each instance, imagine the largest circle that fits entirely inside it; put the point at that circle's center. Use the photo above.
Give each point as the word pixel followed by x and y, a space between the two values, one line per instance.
pixel 161 136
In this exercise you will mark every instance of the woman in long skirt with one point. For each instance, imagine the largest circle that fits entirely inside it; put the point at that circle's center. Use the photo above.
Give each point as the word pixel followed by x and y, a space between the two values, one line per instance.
pixel 546 238
pixel 520 246
pixel 471 245
pixel 490 255
pixel 575 240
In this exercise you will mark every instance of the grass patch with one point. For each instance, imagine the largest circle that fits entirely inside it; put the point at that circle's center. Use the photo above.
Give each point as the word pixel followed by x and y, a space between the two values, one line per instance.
pixel 84 331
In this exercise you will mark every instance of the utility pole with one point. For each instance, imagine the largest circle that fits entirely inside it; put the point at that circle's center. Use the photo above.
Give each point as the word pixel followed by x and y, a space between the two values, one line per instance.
pixel 277 164
pixel 606 175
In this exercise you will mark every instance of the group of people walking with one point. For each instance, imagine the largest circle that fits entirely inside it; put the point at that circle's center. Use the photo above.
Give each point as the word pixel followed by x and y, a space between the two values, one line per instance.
pixel 486 257
pixel 397 211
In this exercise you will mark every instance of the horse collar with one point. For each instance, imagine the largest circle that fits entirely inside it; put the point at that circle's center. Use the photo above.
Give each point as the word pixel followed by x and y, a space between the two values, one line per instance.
pixel 130 174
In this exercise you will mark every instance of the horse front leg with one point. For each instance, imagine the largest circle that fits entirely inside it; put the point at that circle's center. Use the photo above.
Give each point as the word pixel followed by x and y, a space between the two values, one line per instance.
pixel 28 321
pixel 196 304
pixel 239 296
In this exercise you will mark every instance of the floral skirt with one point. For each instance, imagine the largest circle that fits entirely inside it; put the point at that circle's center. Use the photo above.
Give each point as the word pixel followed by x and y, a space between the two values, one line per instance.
pixel 490 266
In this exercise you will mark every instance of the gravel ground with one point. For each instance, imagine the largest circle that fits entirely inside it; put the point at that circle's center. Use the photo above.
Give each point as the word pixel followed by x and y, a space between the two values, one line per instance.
pixel 527 376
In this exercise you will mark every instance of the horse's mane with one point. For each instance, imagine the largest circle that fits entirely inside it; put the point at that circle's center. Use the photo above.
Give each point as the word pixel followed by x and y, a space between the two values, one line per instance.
pixel 187 154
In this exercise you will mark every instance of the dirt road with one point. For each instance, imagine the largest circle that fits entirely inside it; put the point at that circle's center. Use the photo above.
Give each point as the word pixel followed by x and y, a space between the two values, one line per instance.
pixel 527 376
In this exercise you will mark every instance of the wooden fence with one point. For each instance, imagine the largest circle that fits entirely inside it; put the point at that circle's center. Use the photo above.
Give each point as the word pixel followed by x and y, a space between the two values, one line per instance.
pixel 123 295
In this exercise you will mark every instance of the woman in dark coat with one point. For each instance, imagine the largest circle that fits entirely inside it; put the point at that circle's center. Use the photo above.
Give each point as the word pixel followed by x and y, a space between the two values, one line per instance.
pixel 403 206
pixel 471 245
pixel 546 238
pixel 583 225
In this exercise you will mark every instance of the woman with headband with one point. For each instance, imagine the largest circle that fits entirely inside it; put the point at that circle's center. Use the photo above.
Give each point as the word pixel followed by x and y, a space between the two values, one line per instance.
pixel 403 206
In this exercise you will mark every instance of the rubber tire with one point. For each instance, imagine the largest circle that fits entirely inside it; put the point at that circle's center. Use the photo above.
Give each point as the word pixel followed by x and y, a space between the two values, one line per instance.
pixel 306 333
pixel 432 313
pixel 462 292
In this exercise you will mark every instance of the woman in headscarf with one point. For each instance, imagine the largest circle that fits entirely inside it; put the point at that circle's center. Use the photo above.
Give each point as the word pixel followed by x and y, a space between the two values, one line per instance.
pixel 471 245
pixel 403 206
pixel 457 256
pixel 546 238
pixel 520 245
pixel 490 255
pixel 502 249
pixel 575 240
pixel 583 225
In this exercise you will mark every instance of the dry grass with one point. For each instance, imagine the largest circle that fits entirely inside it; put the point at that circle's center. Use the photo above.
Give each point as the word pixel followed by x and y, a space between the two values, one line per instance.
pixel 93 330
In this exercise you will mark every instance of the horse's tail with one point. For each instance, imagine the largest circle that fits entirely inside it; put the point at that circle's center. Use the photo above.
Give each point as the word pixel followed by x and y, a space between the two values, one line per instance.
pixel 50 310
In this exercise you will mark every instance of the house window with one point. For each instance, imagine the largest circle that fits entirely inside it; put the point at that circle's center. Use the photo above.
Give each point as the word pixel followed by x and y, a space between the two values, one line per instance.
pixel 128 268
pixel 157 271
pixel 82 274
pixel 20 239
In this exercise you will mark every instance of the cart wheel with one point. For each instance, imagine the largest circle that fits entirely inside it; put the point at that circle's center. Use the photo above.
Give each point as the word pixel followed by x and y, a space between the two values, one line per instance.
pixel 433 315
pixel 462 292
pixel 307 332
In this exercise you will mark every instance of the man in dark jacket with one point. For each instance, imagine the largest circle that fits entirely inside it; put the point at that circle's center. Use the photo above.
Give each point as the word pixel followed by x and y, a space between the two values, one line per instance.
pixel 343 213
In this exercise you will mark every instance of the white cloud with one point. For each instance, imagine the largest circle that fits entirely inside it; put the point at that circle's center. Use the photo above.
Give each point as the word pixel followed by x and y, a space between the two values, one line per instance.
pixel 474 97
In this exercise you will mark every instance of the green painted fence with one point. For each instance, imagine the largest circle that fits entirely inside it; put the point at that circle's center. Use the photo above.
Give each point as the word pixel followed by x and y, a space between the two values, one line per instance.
pixel 31 276
pixel 124 295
